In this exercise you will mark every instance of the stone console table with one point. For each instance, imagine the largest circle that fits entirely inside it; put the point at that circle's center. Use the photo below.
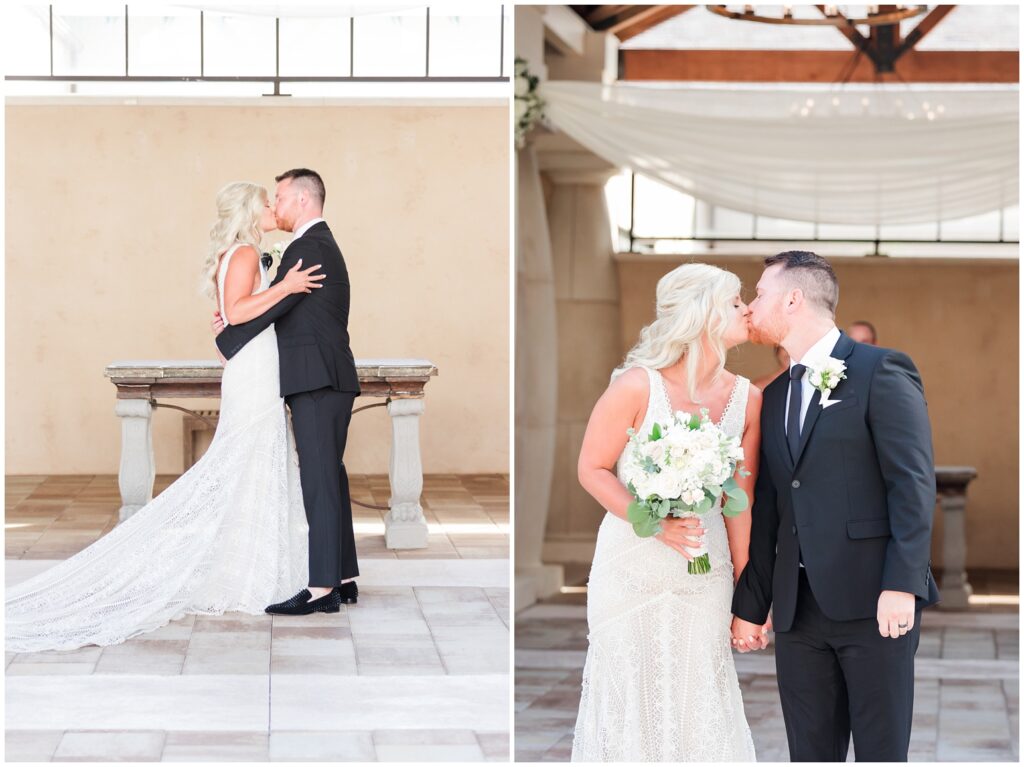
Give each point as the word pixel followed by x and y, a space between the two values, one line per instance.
pixel 400 382
pixel 951 486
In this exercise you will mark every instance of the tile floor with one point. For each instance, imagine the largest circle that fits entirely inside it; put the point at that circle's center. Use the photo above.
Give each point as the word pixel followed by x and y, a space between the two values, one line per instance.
pixel 417 670
pixel 966 694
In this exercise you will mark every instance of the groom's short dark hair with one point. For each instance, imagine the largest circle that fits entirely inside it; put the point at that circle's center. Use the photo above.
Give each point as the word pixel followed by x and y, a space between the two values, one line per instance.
pixel 812 274
pixel 309 178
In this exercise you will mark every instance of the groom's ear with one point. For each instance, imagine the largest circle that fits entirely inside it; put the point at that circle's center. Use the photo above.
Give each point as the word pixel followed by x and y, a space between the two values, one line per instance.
pixel 795 298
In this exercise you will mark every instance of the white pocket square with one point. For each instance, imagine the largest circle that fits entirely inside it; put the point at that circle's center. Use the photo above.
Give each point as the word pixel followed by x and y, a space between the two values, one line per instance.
pixel 829 403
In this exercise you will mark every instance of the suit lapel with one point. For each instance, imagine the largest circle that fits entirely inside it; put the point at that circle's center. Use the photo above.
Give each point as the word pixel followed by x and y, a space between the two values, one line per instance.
pixel 843 348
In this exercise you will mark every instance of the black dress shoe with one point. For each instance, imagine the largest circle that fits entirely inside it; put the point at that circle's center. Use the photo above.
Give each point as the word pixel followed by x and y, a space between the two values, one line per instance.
pixel 348 592
pixel 301 604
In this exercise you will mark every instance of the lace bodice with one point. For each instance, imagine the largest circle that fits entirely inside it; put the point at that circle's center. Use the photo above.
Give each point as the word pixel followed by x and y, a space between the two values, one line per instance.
pixel 659 408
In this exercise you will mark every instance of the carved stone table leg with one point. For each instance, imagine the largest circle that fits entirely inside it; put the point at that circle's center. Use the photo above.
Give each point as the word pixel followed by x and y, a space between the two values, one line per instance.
pixel 138 469
pixel 954 589
pixel 404 525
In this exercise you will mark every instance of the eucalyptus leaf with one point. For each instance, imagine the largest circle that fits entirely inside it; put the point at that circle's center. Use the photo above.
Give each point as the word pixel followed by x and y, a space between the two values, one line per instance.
pixel 637 511
pixel 737 503
pixel 645 523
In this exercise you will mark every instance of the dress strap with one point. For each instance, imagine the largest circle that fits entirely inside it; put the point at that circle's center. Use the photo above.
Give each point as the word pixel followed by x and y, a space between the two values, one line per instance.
pixel 735 414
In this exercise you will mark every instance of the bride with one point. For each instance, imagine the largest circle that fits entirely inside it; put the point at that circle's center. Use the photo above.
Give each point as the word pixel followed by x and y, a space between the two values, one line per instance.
pixel 230 533
pixel 659 682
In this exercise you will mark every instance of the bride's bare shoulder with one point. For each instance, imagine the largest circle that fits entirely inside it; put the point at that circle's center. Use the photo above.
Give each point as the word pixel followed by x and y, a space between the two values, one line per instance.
pixel 244 254
pixel 630 384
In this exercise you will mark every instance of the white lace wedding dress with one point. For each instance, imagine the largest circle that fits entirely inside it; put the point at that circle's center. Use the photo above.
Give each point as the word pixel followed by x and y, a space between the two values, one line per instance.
pixel 659 683
pixel 228 535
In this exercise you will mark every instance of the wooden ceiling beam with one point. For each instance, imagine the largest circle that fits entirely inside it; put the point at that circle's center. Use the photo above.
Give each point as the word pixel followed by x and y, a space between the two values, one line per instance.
pixel 816 66
pixel 656 15
pixel 926 25
pixel 598 14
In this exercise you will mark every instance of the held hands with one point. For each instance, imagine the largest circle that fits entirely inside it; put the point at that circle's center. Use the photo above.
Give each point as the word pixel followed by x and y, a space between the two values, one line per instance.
pixel 895 613
pixel 680 533
pixel 302 281
pixel 748 636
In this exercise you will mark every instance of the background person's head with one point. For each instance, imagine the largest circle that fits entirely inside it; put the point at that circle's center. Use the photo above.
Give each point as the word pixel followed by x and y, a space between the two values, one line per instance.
pixel 299 198
pixel 797 287
pixel 696 304
pixel 863 332
pixel 243 215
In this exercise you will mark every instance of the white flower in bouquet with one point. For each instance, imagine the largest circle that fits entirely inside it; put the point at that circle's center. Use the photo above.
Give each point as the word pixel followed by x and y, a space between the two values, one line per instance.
pixel 683 468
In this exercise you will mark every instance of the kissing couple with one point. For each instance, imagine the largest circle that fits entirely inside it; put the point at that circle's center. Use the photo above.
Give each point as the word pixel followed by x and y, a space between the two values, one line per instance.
pixel 833 546
pixel 264 517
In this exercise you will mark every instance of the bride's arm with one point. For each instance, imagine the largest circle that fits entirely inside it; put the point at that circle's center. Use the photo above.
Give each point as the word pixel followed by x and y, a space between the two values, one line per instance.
pixel 738 527
pixel 615 412
pixel 241 304
pixel 619 408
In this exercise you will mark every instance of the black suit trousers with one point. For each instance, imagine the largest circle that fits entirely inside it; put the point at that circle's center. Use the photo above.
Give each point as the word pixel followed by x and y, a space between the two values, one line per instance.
pixel 320 419
pixel 841 676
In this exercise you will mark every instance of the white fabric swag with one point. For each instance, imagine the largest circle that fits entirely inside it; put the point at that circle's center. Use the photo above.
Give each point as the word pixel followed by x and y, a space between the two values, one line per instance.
pixel 858 161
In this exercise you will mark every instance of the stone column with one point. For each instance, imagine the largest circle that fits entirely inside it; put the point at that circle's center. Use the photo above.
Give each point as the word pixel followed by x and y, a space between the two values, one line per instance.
pixel 138 469
pixel 589 323
pixel 536 385
pixel 404 525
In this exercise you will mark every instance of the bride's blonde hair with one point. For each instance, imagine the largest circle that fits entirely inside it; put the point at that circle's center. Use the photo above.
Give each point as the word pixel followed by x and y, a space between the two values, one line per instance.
pixel 693 300
pixel 239 208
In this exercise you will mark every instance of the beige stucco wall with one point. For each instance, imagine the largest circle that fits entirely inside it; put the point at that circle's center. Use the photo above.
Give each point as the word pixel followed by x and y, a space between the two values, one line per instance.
pixel 958 320
pixel 107 212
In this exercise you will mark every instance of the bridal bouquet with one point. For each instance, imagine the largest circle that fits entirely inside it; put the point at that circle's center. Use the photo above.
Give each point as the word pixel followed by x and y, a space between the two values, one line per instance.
pixel 682 469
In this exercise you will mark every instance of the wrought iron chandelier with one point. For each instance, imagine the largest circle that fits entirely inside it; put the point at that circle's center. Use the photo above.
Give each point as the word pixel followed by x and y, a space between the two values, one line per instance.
pixel 832 15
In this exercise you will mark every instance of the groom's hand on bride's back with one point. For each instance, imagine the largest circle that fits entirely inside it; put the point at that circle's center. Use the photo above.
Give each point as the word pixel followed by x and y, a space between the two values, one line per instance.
pixel 217 324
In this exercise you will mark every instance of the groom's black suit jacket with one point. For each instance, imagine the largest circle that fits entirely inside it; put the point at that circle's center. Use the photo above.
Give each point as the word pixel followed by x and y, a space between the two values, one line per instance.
pixel 312 328
pixel 857 502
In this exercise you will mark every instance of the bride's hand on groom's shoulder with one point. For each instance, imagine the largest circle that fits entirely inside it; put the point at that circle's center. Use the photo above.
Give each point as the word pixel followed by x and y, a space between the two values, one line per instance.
pixel 299 280
pixel 747 636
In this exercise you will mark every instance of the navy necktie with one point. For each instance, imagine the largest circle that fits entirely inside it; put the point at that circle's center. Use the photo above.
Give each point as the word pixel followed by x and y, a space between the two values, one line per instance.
pixel 796 374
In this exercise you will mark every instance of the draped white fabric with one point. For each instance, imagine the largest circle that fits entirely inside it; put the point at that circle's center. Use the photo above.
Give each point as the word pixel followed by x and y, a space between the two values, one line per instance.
pixel 855 157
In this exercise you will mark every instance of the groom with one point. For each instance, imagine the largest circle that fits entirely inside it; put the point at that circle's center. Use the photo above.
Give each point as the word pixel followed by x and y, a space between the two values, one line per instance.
pixel 319 383
pixel 841 524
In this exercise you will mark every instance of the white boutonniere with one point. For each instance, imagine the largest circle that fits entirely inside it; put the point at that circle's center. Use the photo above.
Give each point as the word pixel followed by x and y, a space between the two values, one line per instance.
pixel 825 376
pixel 276 251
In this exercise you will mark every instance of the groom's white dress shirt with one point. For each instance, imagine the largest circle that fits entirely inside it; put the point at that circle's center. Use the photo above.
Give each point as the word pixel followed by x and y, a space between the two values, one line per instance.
pixel 301 231
pixel 820 351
